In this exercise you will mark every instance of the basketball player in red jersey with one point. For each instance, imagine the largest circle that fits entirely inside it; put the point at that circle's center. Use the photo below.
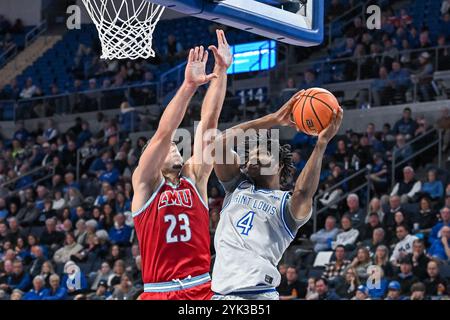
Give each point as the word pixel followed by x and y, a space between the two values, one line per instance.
pixel 169 206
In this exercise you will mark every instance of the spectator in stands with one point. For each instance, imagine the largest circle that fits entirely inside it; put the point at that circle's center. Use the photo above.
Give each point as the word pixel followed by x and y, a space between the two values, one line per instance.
pixel 399 80
pixel 367 230
pixel 356 214
pixel 120 234
pixel 309 80
pixel 347 236
pixel 289 91
pixel 56 291
pixel 405 277
pixel 18 279
pixel 381 259
pixel 362 293
pixel 125 290
pixel 404 245
pixel 423 76
pixel 361 262
pixel 408 188
pixel 394 291
pixel 440 249
pixel 419 259
pixel 406 125
pixel 111 174
pixel 435 285
pixel 71 247
pixel 437 229
pixel 379 174
pixel 380 87
pixel 378 238
pixel 323 237
pixel 291 288
pixel 28 215
pixel 321 287
pixel 77 284
pixel 347 289
pixel 418 291
pixel 29 90
pixel 101 293
pixel 337 267
pixel 16 294
pixel 375 206
pixel 50 236
pixel 444 50
pixel 445 7
pixel 432 186
pixel 129 119
pixel 18 27
pixel 173 50
pixel 426 218
pixel 38 291
pixel 38 257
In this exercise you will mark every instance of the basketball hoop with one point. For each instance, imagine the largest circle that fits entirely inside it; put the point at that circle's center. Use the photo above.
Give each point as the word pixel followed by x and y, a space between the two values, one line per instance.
pixel 125 27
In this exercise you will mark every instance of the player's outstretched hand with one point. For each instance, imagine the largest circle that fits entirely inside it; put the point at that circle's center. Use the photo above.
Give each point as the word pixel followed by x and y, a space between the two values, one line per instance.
pixel 222 53
pixel 284 114
pixel 327 134
pixel 195 73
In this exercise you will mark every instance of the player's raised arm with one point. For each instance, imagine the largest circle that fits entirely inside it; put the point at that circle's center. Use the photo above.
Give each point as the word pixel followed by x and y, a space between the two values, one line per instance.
pixel 308 181
pixel 196 167
pixel 226 171
pixel 148 172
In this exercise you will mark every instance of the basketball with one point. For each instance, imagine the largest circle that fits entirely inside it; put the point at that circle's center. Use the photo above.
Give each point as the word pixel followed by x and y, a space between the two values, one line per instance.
pixel 313 111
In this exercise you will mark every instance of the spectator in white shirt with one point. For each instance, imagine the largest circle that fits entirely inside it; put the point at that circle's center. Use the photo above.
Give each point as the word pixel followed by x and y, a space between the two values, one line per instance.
pixel 29 90
pixel 347 237
pixel 323 237
pixel 404 246
pixel 408 187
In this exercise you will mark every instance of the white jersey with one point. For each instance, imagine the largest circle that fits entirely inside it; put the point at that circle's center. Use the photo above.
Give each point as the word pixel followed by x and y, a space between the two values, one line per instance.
pixel 254 230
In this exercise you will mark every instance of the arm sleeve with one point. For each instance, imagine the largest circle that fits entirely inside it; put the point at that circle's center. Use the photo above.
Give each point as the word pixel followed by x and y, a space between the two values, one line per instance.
pixel 416 188
pixel 230 186
pixel 394 190
pixel 288 218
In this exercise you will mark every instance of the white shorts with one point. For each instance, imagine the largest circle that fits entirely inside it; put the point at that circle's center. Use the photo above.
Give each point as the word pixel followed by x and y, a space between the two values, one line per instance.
pixel 258 296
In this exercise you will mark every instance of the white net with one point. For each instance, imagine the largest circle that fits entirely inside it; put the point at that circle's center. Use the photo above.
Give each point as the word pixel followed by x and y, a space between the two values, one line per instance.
pixel 125 27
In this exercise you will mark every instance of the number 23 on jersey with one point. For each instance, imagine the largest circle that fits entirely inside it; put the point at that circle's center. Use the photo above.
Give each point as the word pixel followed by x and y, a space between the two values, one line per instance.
pixel 183 221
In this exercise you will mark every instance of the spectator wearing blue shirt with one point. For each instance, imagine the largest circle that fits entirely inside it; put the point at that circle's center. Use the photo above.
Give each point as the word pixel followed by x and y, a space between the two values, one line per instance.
pixel 75 284
pixel 435 233
pixel 111 175
pixel 3 210
pixel 18 279
pixel 38 291
pixel 120 233
pixel 84 135
pixel 380 88
pixel 129 118
pixel 406 125
pixel 56 291
pixel 399 80
pixel 21 133
pixel 433 187
pixel 440 249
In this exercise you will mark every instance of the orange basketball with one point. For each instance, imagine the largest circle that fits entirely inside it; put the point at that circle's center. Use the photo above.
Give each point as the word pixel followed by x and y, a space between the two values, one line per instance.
pixel 313 110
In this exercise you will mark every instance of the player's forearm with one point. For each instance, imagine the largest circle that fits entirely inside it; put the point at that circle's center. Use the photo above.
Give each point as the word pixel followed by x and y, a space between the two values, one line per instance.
pixel 214 100
pixel 265 122
pixel 175 111
pixel 308 181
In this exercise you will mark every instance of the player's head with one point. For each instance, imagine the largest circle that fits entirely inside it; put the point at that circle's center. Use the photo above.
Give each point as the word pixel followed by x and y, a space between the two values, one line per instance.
pixel 173 162
pixel 263 164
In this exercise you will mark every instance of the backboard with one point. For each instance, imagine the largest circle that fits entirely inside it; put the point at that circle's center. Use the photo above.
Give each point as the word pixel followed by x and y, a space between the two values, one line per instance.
pixel 297 22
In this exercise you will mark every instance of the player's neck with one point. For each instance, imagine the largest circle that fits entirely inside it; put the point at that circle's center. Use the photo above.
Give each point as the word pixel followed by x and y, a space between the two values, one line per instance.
pixel 272 183
pixel 172 177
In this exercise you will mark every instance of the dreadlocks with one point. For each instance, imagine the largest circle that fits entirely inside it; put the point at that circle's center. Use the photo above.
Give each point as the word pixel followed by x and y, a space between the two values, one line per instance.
pixel 284 153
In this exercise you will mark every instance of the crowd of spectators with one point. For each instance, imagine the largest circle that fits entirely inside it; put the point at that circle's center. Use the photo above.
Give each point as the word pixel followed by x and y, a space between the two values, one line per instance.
pixel 395 244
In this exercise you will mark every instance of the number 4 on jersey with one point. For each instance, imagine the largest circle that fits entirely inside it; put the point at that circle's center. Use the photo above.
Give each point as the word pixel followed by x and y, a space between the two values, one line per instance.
pixel 246 223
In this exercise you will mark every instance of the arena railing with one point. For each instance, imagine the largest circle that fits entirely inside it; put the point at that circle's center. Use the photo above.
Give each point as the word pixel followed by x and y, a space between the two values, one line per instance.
pixel 363 173
pixel 78 102
pixel 430 133
pixel 34 33
pixel 8 55
pixel 42 173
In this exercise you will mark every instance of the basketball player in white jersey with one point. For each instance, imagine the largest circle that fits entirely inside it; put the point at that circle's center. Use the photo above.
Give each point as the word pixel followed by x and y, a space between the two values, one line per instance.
pixel 258 220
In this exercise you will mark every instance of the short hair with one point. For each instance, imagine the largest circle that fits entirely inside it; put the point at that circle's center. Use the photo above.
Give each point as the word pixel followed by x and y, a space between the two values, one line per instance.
pixel 403 225
pixel 418 286
pixel 379 230
pixel 325 281
pixel 353 195
pixel 339 246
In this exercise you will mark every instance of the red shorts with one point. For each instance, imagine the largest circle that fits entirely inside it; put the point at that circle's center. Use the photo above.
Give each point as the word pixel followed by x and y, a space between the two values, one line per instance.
pixel 200 292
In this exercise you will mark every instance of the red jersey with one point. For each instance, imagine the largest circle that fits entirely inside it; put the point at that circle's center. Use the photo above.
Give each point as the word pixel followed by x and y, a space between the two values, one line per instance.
pixel 173 233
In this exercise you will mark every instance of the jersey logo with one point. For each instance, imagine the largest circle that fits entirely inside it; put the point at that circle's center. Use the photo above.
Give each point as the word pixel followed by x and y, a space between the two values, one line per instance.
pixel 180 198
